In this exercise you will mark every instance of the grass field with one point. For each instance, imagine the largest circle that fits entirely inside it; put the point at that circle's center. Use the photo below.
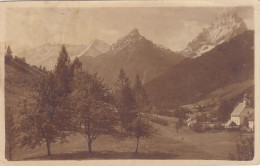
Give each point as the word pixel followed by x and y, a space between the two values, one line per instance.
pixel 165 144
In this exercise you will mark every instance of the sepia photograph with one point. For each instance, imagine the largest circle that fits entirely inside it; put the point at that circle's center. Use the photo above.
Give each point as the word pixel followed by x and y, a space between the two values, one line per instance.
pixel 129 82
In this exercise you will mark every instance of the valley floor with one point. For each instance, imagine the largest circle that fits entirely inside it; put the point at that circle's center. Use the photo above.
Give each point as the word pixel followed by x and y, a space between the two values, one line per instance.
pixel 165 144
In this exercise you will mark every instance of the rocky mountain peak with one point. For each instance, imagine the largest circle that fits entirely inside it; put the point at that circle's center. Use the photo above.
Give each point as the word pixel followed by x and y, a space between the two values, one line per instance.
pixel 224 27
pixel 133 38
pixel 134 32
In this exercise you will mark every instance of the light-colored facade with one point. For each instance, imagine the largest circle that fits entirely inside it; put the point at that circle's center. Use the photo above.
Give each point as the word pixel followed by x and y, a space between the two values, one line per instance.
pixel 236 120
pixel 241 114
pixel 251 125
pixel 191 122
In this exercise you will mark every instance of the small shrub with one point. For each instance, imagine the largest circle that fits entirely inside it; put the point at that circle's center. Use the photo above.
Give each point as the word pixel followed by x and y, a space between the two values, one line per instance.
pixel 243 128
pixel 197 127
pixel 207 128
pixel 245 149
pixel 218 126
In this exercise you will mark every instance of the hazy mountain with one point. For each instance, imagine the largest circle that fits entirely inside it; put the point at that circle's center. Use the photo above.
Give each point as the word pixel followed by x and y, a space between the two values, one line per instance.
pixel 192 79
pixel 95 48
pixel 47 55
pixel 224 27
pixel 136 55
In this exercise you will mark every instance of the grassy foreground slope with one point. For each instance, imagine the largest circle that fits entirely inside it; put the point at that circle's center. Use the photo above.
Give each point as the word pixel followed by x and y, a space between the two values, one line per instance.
pixel 165 144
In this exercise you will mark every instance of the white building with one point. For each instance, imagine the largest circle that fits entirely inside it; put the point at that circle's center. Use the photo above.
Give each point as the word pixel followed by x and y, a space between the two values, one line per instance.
pixel 251 124
pixel 241 112
pixel 190 122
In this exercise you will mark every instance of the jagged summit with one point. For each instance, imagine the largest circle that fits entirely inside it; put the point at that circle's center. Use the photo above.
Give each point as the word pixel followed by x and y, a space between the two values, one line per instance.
pixel 134 32
pixel 227 13
pixel 222 28
pixel 226 25
pixel 132 39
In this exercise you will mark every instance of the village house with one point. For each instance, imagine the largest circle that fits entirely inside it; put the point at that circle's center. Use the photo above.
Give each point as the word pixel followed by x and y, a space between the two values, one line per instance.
pixel 251 124
pixel 191 122
pixel 243 113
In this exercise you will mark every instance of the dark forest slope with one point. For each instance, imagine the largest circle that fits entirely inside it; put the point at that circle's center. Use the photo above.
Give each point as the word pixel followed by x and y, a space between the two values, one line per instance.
pixel 192 79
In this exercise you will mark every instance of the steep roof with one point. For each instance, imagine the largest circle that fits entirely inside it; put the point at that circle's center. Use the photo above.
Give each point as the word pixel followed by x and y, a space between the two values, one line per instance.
pixel 239 108
pixel 230 123
pixel 248 111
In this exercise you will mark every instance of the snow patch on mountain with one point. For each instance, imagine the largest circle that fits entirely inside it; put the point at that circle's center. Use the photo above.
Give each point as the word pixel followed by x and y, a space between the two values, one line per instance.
pixel 224 27
pixel 95 48
pixel 134 40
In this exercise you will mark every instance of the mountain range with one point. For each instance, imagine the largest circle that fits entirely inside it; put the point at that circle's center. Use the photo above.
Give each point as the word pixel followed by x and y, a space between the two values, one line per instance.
pixel 219 60
pixel 136 55
pixel 46 55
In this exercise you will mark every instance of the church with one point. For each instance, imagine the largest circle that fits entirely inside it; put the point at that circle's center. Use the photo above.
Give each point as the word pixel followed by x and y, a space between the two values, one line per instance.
pixel 243 114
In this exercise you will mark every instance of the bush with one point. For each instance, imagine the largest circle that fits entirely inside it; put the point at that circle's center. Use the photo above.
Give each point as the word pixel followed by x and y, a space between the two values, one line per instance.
pixel 207 128
pixel 218 126
pixel 181 112
pixel 245 149
pixel 243 128
pixel 20 60
pixel 197 127
pixel 200 127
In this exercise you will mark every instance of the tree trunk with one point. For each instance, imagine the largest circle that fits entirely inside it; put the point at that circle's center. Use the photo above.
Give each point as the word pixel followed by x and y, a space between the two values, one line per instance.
pixel 89 147
pixel 10 153
pixel 89 138
pixel 48 148
pixel 137 143
pixel 10 148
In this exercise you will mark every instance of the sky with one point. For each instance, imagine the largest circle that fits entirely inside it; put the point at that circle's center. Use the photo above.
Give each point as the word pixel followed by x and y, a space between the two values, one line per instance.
pixel 172 27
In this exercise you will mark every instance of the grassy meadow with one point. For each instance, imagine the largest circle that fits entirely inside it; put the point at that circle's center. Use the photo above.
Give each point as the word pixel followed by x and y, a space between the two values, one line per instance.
pixel 166 143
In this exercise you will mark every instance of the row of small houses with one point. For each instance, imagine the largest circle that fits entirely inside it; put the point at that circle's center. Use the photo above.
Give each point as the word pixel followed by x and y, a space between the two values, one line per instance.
pixel 243 113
